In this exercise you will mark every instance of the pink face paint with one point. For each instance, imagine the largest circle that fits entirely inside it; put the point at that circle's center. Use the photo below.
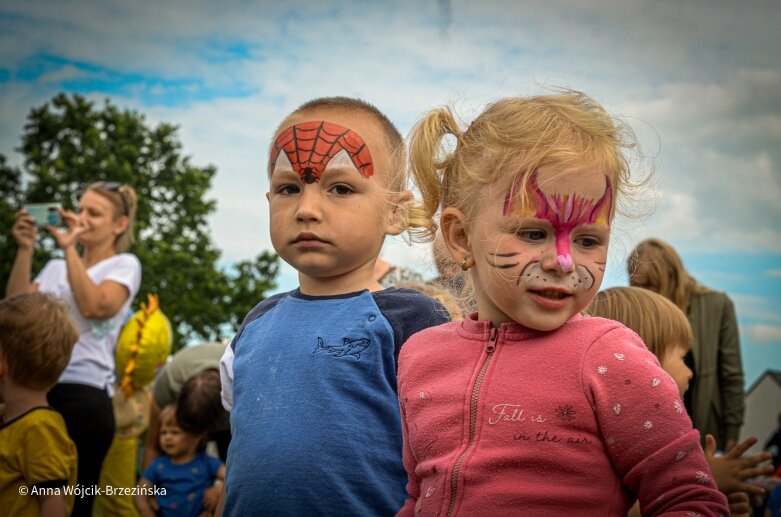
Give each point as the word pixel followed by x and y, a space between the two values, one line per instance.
pixel 564 211
pixel 310 146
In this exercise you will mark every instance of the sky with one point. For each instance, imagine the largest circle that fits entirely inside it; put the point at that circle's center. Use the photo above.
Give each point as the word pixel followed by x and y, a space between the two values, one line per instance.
pixel 698 81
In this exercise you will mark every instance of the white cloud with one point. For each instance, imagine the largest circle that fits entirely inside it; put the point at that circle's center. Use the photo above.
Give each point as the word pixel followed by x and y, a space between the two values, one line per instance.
pixel 762 334
pixel 674 73
pixel 678 216
pixel 756 308
pixel 773 272
pixel 719 146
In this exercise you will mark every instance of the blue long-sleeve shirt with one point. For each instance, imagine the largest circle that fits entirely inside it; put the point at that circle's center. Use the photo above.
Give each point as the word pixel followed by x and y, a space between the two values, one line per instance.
pixel 315 416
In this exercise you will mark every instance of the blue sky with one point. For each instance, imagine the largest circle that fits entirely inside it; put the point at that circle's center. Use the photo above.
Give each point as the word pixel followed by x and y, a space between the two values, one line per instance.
pixel 699 81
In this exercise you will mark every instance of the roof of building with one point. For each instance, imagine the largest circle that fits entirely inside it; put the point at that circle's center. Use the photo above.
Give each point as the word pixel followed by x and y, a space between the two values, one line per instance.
pixel 774 375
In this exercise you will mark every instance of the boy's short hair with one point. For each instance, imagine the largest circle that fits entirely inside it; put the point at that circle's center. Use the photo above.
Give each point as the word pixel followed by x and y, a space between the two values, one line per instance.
pixel 199 405
pixel 37 335
pixel 657 320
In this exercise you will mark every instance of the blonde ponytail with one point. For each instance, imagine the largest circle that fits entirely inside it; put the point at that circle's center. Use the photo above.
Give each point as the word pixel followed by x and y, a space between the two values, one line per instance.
pixel 431 167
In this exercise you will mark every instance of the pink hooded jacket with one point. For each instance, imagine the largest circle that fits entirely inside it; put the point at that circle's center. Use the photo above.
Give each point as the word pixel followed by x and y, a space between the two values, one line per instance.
pixel 512 421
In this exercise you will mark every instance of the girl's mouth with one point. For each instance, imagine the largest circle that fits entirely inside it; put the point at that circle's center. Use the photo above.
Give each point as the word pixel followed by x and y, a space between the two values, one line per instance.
pixel 550 293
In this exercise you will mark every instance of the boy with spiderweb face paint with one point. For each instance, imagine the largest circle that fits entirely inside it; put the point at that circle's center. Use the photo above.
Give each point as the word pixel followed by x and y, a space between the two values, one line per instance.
pixel 310 379
pixel 527 407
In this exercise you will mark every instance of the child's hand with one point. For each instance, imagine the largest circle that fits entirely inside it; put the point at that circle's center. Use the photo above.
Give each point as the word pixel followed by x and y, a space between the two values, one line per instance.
pixel 730 471
pixel 739 505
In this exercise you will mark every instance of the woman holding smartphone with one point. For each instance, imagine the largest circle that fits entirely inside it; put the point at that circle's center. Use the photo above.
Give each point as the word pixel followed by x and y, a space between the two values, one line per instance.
pixel 99 284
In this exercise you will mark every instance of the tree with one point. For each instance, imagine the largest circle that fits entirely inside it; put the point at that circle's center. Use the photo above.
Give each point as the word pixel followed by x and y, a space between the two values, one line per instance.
pixel 68 143
pixel 11 197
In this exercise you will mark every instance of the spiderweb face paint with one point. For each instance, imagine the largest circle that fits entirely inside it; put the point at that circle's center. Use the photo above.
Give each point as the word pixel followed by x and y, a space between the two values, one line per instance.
pixel 310 148
pixel 564 211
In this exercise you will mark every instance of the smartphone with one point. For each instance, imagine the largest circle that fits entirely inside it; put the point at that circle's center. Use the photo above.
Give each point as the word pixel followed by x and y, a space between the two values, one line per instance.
pixel 45 214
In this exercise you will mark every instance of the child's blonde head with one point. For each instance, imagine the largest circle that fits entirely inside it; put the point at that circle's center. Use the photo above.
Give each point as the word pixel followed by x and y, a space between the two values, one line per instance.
pixel 168 416
pixel 167 419
pixel 507 142
pixel 37 335
pixel 658 322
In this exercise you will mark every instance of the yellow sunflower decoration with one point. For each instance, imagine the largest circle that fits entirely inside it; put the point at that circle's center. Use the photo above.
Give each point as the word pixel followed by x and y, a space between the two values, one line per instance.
pixel 143 347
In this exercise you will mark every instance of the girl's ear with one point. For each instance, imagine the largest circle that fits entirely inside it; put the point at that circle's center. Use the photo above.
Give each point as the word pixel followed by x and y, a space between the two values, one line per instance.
pixel 454 231
pixel 397 214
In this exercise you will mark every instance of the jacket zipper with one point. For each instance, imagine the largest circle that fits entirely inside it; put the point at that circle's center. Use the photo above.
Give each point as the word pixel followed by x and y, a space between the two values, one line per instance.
pixel 489 352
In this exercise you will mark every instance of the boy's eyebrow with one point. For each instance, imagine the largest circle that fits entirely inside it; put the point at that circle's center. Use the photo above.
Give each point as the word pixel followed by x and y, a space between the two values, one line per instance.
pixel 342 170
pixel 285 175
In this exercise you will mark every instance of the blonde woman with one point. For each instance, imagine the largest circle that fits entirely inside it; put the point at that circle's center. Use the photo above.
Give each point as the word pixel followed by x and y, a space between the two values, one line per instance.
pixel 99 284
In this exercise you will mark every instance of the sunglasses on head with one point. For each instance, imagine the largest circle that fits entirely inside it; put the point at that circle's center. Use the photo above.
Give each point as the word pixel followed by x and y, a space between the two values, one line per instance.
pixel 114 186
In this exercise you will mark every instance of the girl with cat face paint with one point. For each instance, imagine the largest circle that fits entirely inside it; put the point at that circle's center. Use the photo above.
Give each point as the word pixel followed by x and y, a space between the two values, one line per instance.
pixel 527 406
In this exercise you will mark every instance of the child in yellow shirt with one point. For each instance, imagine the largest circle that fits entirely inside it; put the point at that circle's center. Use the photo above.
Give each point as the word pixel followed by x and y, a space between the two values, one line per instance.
pixel 37 458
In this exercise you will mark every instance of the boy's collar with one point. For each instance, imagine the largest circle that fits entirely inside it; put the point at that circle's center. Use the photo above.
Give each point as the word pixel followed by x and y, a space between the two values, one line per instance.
pixel 296 293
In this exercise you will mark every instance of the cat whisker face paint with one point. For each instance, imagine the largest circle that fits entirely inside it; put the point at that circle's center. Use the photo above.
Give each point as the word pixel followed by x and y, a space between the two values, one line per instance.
pixel 541 252
pixel 310 148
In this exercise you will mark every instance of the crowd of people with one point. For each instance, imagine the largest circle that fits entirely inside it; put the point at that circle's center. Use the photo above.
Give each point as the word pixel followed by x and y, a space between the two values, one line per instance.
pixel 508 385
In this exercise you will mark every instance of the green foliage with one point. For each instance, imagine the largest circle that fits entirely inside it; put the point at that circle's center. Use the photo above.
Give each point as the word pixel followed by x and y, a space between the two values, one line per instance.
pixel 10 201
pixel 68 143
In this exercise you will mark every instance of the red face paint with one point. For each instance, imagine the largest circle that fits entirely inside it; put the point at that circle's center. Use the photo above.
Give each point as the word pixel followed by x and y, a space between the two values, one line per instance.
pixel 310 146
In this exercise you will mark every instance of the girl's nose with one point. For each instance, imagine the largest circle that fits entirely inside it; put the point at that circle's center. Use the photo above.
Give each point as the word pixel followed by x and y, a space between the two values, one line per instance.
pixel 565 262
pixel 557 262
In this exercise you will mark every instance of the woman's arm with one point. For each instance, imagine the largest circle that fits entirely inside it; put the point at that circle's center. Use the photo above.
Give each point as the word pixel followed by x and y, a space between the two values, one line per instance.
pixel 212 495
pixel 145 504
pixel 150 448
pixel 94 301
pixel 53 506
pixel 24 232
pixel 220 502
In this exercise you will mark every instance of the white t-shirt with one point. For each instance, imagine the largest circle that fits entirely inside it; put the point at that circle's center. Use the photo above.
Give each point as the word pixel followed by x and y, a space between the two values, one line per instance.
pixel 92 361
